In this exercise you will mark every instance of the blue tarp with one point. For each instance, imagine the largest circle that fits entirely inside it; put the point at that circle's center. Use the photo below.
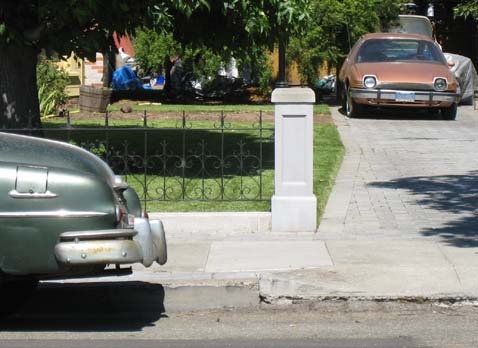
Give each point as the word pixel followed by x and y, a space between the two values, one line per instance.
pixel 124 78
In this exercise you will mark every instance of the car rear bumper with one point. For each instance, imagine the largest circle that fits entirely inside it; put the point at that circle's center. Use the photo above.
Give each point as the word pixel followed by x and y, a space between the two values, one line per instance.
pixel 145 243
pixel 402 97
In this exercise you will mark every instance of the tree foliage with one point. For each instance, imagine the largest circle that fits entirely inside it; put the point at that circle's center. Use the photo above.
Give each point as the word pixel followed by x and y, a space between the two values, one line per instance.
pixel 152 47
pixel 334 27
pixel 467 9
pixel 200 63
pixel 252 22
pixel 85 27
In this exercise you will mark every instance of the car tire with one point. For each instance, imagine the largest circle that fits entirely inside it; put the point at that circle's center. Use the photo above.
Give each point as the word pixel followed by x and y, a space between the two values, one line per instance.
pixel 351 108
pixel 15 291
pixel 159 241
pixel 449 113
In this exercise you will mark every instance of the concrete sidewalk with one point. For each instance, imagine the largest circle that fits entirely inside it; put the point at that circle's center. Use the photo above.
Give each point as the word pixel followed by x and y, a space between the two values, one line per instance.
pixel 376 240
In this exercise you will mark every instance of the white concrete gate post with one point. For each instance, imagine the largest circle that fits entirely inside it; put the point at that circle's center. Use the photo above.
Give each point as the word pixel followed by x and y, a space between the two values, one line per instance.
pixel 294 205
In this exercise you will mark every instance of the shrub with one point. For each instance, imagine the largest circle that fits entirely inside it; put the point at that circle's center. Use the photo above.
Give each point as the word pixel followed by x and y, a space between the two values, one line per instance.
pixel 51 83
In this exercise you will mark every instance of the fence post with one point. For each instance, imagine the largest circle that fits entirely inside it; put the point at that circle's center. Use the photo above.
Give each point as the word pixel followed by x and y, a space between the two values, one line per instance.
pixel 294 205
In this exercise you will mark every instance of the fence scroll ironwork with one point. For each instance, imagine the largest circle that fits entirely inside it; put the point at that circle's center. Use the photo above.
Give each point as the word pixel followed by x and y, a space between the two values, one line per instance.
pixel 184 159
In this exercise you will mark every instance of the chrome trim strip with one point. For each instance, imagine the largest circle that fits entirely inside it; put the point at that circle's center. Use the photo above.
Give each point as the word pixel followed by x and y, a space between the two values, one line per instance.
pixel 387 94
pixel 51 214
pixel 98 234
pixel 47 194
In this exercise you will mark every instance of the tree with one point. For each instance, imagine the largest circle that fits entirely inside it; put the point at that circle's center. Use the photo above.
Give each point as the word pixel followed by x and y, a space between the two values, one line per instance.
pixel 85 27
pixel 154 49
pixel 29 26
pixel 334 28
pixel 467 9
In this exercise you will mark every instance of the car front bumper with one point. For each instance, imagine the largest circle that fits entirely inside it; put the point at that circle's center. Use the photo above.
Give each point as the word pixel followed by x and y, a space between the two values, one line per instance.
pixel 404 97
pixel 144 243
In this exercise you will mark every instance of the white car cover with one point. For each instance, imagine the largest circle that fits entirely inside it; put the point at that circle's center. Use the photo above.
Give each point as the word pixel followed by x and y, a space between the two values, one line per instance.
pixel 466 75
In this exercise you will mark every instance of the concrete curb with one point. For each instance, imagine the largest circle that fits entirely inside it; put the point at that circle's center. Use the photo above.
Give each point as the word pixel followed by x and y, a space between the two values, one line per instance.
pixel 189 295
pixel 274 290
pixel 141 294
pixel 214 223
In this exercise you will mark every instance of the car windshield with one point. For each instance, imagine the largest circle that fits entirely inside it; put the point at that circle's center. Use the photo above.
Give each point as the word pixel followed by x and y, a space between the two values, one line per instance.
pixel 399 50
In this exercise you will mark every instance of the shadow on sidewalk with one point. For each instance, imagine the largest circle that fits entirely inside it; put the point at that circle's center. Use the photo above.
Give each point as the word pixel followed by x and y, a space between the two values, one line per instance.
pixel 456 194
pixel 94 307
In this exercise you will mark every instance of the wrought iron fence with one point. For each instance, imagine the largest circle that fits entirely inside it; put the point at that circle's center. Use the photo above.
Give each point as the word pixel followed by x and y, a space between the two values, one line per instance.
pixel 218 159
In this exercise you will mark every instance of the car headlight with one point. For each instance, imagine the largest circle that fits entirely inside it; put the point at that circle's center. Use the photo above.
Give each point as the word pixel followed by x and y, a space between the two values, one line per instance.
pixel 370 81
pixel 440 84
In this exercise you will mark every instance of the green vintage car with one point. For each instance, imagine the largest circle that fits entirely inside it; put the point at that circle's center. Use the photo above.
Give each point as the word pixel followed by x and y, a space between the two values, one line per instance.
pixel 63 213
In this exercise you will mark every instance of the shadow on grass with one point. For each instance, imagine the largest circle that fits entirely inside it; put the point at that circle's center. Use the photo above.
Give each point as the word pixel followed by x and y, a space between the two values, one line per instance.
pixel 456 194
pixel 96 307
pixel 198 161
pixel 187 152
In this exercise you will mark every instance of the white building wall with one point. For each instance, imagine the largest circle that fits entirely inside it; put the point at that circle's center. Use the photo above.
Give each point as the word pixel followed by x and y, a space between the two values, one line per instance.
pixel 94 72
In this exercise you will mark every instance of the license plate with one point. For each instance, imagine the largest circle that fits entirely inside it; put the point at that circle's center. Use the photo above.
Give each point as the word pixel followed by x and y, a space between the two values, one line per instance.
pixel 408 97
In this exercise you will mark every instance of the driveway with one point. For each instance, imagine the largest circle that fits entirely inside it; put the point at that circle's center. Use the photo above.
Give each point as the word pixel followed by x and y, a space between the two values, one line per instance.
pixel 408 176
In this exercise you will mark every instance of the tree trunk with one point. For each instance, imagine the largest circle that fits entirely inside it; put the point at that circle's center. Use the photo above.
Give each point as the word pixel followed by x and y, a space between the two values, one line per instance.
pixel 282 79
pixel 109 65
pixel 19 107
pixel 167 76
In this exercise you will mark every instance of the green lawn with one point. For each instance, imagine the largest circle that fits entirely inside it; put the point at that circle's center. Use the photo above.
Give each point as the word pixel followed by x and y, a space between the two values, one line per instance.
pixel 165 186
pixel 328 154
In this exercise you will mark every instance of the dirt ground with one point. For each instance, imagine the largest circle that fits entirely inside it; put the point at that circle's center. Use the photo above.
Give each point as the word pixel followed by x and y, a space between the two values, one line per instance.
pixel 132 111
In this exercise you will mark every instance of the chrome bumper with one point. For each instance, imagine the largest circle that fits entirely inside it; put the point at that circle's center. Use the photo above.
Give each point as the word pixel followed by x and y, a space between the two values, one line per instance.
pixel 145 243
pixel 388 95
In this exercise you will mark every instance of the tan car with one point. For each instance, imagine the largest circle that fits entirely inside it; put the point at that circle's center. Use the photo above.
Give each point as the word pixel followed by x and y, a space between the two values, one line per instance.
pixel 397 70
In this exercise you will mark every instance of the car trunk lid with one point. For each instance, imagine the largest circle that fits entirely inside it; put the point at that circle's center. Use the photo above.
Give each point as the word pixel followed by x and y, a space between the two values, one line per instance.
pixel 30 151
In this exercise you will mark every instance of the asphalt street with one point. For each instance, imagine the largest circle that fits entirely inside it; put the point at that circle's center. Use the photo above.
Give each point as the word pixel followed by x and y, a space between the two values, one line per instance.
pixel 337 324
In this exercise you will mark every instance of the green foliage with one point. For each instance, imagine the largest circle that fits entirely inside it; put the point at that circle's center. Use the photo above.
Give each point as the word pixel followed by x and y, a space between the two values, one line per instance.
pixel 335 27
pixel 152 48
pixel 51 83
pixel 95 147
pixel 235 24
pixel 86 26
pixel 467 9
pixel 202 62
pixel 261 70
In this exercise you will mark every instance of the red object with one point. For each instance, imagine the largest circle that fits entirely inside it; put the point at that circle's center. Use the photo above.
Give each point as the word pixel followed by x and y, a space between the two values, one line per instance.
pixel 123 41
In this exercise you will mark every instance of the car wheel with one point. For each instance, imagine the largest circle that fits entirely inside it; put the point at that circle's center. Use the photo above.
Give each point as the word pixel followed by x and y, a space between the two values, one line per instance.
pixel 159 241
pixel 15 291
pixel 449 113
pixel 352 109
